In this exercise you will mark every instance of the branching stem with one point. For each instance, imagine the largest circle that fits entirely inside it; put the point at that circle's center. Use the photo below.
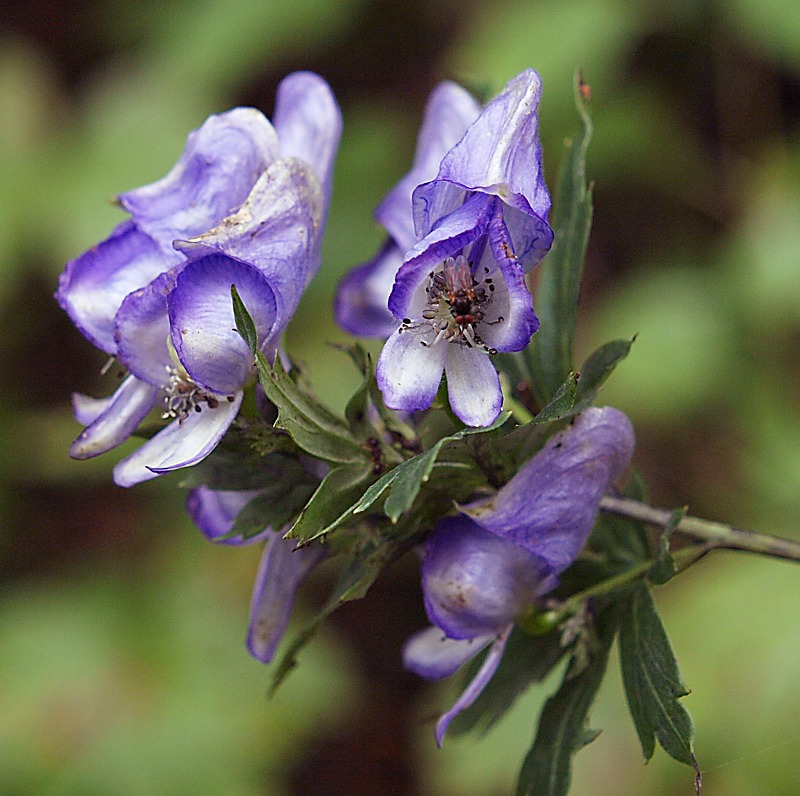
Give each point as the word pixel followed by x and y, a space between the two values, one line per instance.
pixel 715 535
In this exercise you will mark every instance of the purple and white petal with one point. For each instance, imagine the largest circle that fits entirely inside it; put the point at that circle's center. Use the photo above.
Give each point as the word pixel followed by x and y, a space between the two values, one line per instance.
pixel 550 505
pixel 180 444
pixel 501 154
pixel 203 326
pixel 360 306
pixel 476 685
pixel 214 510
pixel 277 230
pixel 141 329
pixel 449 112
pixel 475 582
pixel 510 319
pixel 432 655
pixel 120 417
pixel 473 386
pixel 408 373
pixel 93 286
pixel 280 573
pixel 221 163
pixel 459 229
pixel 309 123
pixel 87 409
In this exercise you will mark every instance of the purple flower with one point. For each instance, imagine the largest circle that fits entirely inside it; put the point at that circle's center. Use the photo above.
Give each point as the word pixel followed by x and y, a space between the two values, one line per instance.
pixel 466 225
pixel 245 205
pixel 280 573
pixel 484 570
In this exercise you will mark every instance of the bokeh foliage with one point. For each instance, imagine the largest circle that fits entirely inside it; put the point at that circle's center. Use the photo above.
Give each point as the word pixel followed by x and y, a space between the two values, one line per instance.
pixel 121 663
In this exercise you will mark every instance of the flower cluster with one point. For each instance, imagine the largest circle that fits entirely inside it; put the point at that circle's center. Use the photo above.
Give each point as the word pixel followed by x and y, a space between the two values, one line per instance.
pixel 245 205
pixel 465 225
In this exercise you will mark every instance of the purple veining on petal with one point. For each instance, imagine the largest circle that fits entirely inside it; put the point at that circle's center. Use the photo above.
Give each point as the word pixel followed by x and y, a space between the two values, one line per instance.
pixel 431 654
pixel 93 286
pixel 550 505
pixel 213 177
pixel 141 329
pixel 182 443
pixel 408 373
pixel 203 327
pixel 281 571
pixel 473 386
pixel 120 417
pixel 475 582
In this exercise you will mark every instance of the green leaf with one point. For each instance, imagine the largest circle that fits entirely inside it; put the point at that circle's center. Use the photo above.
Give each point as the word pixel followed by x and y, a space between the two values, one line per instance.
pixel 547 770
pixel 311 425
pixel 274 507
pixel 244 322
pixel 340 487
pixel 561 404
pixel 597 368
pixel 550 355
pixel 652 681
pixel 405 480
pixel 664 568
pixel 236 467
pixel 527 659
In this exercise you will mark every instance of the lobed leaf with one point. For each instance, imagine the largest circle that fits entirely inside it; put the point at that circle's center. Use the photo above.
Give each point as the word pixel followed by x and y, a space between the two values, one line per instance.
pixel 311 425
pixel 652 681
pixel 547 769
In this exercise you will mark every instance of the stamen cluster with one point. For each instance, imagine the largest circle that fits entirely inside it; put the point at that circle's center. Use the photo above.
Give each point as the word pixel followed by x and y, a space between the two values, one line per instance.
pixel 182 396
pixel 456 303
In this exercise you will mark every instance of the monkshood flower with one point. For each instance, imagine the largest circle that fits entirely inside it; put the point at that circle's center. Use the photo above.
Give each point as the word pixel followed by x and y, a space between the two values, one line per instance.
pixel 465 225
pixel 245 205
pixel 280 573
pixel 484 569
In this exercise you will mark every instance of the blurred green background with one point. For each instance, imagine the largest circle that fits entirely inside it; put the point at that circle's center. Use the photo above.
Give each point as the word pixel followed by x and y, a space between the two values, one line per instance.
pixel 122 664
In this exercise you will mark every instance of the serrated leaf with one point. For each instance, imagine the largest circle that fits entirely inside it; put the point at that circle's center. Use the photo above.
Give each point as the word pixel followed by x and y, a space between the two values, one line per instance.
pixel 652 681
pixel 335 494
pixel 597 368
pixel 547 769
pixel 664 568
pixel 550 355
pixel 311 425
pixel 527 659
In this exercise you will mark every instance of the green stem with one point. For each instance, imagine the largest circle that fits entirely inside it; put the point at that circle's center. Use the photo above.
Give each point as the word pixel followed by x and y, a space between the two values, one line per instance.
pixel 716 535
pixel 683 559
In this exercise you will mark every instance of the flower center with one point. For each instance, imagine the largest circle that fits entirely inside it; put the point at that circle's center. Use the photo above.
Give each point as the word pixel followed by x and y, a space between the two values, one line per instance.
pixel 456 304
pixel 182 396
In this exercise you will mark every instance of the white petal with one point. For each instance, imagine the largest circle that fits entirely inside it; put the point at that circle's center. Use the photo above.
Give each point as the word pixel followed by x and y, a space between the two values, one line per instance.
pixel 408 372
pixel 473 386
pixel 180 444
